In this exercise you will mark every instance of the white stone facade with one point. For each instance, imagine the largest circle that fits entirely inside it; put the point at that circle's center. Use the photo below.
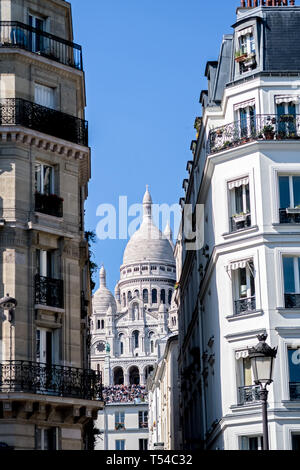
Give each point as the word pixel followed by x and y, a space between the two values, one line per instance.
pixel 130 329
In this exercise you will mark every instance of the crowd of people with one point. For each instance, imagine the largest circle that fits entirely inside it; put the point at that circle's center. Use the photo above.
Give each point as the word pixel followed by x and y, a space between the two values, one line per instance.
pixel 125 394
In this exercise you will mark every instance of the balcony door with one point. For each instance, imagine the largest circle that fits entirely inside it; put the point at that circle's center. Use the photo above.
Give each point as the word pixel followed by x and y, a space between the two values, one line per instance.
pixel 286 113
pixel 45 264
pixel 44 346
pixel 36 40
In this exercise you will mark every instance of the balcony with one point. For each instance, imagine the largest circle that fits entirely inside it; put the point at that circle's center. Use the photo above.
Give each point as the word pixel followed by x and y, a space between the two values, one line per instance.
pixel 295 390
pixel 244 306
pixel 55 380
pixel 240 222
pixel 248 394
pixel 289 216
pixel 255 128
pixel 14 34
pixel 292 300
pixel 49 292
pixel 19 112
pixel 49 204
pixel 143 425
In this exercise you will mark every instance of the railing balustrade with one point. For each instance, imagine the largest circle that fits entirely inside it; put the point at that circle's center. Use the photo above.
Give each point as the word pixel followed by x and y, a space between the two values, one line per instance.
pixel 248 394
pixel 244 306
pixel 49 292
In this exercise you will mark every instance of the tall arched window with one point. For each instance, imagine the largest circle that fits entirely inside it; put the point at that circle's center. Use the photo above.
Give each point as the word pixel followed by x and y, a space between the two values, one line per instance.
pixel 170 296
pixel 135 336
pixel 124 300
pixel 129 296
pixel 121 339
pixel 163 296
pixel 151 339
pixel 136 293
pixel 102 324
pixel 145 296
pixel 154 296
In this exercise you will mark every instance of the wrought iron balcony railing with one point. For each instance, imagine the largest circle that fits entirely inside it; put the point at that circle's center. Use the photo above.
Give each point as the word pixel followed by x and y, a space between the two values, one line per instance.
pixel 19 112
pixel 49 292
pixel 14 34
pixel 286 217
pixel 240 223
pixel 243 306
pixel 248 394
pixel 292 300
pixel 294 390
pixel 45 379
pixel 258 127
pixel 49 204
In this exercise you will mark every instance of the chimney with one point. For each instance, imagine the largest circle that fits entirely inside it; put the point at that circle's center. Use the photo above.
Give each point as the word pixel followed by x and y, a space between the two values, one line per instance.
pixel 267 3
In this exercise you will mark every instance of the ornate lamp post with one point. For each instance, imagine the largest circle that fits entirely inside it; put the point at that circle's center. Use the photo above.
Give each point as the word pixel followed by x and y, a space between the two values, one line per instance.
pixel 262 361
pixel 9 303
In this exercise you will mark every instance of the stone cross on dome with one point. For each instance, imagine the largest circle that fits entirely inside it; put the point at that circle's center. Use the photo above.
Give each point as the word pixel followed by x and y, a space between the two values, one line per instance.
pixel 102 277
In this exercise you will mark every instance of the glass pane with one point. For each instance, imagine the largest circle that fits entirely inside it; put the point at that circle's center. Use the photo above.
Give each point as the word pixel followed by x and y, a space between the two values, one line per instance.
pixel 47 179
pixel 284 191
pixel 295 441
pixel 280 112
pixel 296 189
pixel 288 273
pixel 37 181
pixel 253 443
pixel 247 372
pixel 239 200
pixel 247 198
pixel 38 346
pixel 243 118
pixel 294 365
pixel 243 283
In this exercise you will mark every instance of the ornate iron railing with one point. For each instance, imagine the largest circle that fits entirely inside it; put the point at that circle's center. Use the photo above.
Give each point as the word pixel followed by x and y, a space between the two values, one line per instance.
pixel 45 379
pixel 288 217
pixel 243 306
pixel 49 204
pixel 258 127
pixel 236 224
pixel 14 34
pixel 19 112
pixel 248 394
pixel 292 300
pixel 294 390
pixel 49 292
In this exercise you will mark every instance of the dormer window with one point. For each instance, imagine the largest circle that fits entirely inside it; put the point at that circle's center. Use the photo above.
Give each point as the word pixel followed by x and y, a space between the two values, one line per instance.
pixel 245 53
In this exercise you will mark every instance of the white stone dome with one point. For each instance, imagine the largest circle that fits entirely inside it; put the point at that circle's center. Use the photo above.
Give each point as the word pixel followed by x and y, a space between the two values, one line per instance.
pixel 148 243
pixel 103 298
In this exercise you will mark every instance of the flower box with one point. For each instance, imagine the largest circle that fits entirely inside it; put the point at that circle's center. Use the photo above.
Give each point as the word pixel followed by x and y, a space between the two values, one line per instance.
pixel 240 217
pixel 241 58
pixel 293 210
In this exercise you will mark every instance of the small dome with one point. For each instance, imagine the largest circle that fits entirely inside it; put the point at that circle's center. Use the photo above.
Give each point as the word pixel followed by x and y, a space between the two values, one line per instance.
pixel 148 243
pixel 103 298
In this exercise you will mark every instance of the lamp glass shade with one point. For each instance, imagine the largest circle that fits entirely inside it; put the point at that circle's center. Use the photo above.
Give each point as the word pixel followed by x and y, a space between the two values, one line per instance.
pixel 262 368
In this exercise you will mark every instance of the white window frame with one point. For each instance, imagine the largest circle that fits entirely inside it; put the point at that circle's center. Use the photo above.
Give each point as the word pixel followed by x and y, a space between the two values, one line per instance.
pixel 257 436
pixel 42 165
pixel 296 273
pixel 291 188
pixel 123 445
pixel 57 436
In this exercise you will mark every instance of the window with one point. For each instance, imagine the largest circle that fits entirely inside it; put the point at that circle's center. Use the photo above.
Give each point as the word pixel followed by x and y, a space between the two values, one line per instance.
pixel 124 300
pixel 154 296
pixel 129 296
pixel 286 113
pixel 239 203
pixel 163 296
pixel 243 286
pixel 289 199
pixel 45 263
pixel 247 392
pixel 120 444
pixel 145 296
pixel 36 41
pixel 245 54
pixel 44 179
pixel 252 443
pixel 119 420
pixel 291 274
pixel 294 373
pixel 143 444
pixel 170 296
pixel 135 336
pixel 102 324
pixel 98 324
pixel 44 346
pixel 136 293
pixel 295 441
pixel 47 438
pixel 44 95
pixel 143 419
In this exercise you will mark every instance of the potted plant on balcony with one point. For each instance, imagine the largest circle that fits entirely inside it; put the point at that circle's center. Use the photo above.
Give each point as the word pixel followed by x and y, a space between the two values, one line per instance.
pixel 250 59
pixel 119 426
pixel 293 210
pixel 240 56
pixel 268 132
pixel 287 118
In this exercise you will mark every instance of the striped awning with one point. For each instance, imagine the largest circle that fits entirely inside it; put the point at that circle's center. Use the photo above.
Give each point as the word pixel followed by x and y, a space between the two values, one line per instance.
pixel 238 183
pixel 287 99
pixel 245 31
pixel 234 265
pixel 242 354
pixel 244 104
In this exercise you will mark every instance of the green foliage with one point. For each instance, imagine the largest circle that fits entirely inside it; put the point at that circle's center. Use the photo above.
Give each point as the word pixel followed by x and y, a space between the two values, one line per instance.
pixel 93 267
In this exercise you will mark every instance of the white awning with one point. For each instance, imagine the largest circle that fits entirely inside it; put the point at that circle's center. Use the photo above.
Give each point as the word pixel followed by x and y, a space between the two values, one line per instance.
pixel 245 31
pixel 242 354
pixel 244 104
pixel 287 99
pixel 238 183
pixel 238 264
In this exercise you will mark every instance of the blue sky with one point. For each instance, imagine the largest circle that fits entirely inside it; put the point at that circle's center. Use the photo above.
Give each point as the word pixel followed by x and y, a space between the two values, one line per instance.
pixel 144 62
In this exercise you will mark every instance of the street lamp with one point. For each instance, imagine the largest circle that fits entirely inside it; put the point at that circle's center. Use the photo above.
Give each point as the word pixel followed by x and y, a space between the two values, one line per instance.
pixel 8 303
pixel 262 361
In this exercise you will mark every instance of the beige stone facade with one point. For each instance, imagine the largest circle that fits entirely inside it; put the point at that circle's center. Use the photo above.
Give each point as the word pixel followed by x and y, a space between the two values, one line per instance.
pixel 44 172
